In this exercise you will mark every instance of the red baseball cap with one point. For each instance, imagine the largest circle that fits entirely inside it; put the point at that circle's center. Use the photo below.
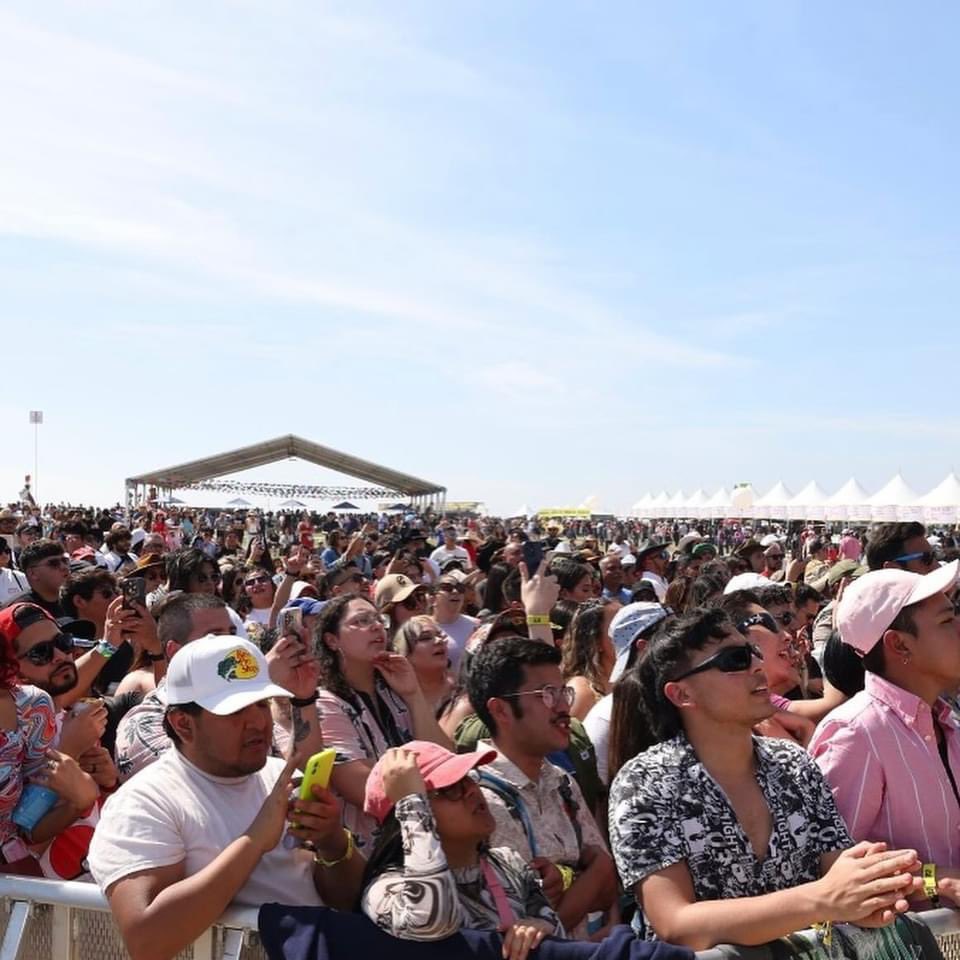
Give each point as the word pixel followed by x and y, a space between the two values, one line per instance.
pixel 438 766
pixel 16 618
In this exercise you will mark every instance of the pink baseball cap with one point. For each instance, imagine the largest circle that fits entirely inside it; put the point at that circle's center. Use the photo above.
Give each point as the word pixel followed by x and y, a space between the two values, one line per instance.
pixel 438 766
pixel 871 603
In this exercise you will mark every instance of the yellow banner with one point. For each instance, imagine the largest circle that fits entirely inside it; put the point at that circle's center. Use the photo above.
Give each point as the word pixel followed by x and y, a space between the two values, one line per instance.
pixel 564 512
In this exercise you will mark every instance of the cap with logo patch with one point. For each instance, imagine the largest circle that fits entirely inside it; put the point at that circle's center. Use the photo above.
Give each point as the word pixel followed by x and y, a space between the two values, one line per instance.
pixel 221 674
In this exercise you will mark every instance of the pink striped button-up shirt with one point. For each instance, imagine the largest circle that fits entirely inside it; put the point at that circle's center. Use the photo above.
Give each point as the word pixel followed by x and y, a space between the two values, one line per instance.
pixel 878 752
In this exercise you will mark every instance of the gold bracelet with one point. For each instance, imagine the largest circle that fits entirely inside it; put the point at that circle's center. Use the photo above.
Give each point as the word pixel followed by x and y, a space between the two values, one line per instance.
pixel 348 853
pixel 538 620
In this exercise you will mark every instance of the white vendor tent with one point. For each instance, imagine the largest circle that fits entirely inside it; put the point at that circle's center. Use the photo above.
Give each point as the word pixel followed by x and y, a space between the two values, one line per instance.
pixel 895 501
pixel 942 503
pixel 773 504
pixel 808 504
pixel 850 502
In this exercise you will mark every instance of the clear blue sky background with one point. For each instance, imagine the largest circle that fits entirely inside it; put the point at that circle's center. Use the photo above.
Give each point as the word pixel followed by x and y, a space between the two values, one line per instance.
pixel 532 251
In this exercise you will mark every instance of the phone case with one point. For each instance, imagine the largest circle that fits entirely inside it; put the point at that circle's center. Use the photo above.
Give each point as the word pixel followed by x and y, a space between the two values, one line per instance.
pixel 317 772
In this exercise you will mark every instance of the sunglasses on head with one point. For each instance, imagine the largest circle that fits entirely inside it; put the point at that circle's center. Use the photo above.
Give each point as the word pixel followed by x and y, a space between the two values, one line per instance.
pixel 727 660
pixel 926 557
pixel 42 653
pixel 758 620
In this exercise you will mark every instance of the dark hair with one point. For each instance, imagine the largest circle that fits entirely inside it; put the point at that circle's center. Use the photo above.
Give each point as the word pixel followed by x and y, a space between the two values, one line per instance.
pixel 803 593
pixel 718 569
pixel 512 583
pixel 703 589
pixel 332 676
pixel 886 541
pixel 644 590
pixel 498 669
pixel 83 583
pixel 843 666
pixel 582 644
pixel 737 605
pixel 38 551
pixel 191 709
pixel 4 546
pixel 561 613
pixel 74 527
pixel 668 655
pixel 174 614
pixel 493 600
pixel 569 572
pixel 187 563
pixel 775 596
pixel 873 659
pixel 114 537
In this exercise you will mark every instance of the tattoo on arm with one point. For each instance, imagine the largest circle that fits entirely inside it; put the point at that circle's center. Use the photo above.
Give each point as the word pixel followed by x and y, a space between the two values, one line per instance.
pixel 301 727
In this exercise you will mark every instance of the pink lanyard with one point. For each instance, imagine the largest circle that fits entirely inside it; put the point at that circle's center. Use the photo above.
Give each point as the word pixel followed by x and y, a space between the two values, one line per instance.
pixel 504 910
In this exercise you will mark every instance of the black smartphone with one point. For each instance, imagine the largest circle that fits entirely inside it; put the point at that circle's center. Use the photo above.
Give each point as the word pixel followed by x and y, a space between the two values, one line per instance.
pixel 134 590
pixel 532 555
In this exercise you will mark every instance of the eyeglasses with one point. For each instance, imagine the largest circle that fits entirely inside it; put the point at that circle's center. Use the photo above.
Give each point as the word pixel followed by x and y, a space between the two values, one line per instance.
pixel 363 622
pixel 727 660
pixel 457 791
pixel 551 696
pixel 926 557
pixel 42 653
pixel 758 620
pixel 253 581
pixel 427 637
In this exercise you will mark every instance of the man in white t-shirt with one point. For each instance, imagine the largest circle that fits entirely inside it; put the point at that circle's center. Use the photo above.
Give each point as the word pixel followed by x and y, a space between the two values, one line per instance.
pixel 208 823
pixel 448 614
pixel 449 550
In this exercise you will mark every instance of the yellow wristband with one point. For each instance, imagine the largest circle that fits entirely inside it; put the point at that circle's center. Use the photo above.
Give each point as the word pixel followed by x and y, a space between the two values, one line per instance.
pixel 930 883
pixel 567 874
pixel 538 620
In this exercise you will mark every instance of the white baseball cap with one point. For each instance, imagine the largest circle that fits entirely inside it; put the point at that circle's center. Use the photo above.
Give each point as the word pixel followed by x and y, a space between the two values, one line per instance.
pixel 746 581
pixel 221 674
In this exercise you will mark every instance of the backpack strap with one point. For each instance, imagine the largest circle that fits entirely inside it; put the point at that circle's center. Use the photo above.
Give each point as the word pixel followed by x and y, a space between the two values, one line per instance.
pixel 509 794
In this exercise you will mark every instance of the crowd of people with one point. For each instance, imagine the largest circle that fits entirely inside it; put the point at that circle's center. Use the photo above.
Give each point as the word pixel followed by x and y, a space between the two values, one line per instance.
pixel 714 733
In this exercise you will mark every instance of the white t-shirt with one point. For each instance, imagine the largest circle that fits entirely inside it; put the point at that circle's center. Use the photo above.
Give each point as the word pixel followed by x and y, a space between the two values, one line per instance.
pixel 597 725
pixel 459 632
pixel 12 584
pixel 259 616
pixel 441 555
pixel 173 812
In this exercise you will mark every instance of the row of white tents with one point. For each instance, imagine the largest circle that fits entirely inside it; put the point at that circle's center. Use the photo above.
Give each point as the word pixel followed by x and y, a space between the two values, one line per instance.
pixel 896 500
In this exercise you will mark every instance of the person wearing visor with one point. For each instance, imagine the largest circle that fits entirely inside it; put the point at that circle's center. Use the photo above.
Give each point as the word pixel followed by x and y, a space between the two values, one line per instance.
pixel 208 823
pixel 891 754
pixel 432 871
pixel 725 837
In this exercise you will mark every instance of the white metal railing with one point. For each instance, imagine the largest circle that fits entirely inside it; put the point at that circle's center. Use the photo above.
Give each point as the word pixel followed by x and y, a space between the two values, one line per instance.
pixel 69 901
pixel 47 915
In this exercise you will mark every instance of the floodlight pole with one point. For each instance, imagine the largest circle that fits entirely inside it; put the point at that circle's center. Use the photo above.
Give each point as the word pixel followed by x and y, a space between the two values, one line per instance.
pixel 36 418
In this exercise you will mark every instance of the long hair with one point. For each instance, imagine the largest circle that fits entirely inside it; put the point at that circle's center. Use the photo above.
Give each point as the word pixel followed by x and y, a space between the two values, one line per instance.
pixel 387 853
pixel 630 733
pixel 332 677
pixel 582 645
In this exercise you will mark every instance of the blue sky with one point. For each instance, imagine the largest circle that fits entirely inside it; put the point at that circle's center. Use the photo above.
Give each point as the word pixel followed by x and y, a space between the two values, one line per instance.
pixel 533 252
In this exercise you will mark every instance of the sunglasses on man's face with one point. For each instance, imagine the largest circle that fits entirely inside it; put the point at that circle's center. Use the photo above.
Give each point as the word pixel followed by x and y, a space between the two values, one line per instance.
pixel 758 620
pixel 41 654
pixel 926 557
pixel 253 581
pixel 727 660
pixel 416 599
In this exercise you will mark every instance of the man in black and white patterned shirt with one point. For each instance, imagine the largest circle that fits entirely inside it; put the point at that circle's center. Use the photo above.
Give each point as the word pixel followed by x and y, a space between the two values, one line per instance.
pixel 725 837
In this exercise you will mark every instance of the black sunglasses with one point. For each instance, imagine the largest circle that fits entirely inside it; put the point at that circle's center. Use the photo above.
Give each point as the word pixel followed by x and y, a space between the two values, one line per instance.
pixel 758 619
pixel 786 618
pixel 727 660
pixel 42 653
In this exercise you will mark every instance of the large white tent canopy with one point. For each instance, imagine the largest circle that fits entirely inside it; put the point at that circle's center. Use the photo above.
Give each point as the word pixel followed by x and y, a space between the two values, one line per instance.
pixel 895 500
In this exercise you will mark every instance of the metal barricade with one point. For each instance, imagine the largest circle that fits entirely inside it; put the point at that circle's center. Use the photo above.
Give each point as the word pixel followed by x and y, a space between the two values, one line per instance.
pixel 55 920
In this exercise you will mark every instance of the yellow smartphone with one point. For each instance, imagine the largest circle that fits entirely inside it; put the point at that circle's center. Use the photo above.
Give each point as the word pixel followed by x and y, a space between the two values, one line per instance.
pixel 317 772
